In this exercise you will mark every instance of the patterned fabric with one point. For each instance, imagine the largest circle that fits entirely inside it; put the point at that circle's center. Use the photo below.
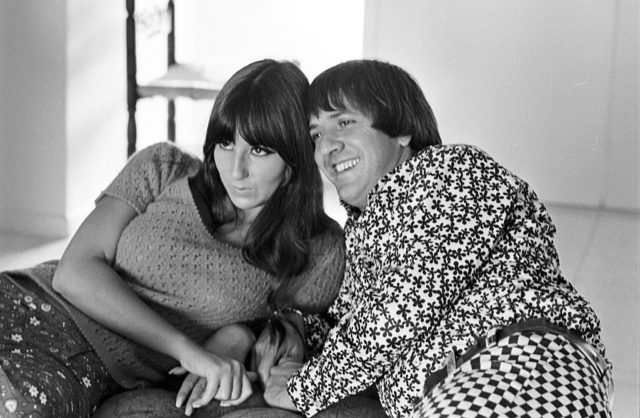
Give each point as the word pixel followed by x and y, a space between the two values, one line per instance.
pixel 316 329
pixel 47 368
pixel 172 262
pixel 450 245
pixel 529 375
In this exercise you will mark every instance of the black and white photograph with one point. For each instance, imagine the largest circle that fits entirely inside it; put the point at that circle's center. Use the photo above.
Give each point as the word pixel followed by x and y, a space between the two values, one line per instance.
pixel 319 208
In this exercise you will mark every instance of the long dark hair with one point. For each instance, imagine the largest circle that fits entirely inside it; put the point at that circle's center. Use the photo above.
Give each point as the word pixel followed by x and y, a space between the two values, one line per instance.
pixel 384 92
pixel 265 103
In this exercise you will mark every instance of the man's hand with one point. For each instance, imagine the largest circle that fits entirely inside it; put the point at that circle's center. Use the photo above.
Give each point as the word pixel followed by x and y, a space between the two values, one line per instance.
pixel 266 354
pixel 275 391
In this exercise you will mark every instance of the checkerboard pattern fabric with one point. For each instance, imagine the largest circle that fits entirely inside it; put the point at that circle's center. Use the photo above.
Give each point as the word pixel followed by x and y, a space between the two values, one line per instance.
pixel 527 374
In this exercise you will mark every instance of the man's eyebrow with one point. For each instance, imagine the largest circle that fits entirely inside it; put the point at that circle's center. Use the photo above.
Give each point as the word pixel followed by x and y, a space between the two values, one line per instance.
pixel 333 115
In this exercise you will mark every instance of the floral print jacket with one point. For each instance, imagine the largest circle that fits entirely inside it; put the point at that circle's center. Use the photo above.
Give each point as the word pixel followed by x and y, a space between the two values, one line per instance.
pixel 450 245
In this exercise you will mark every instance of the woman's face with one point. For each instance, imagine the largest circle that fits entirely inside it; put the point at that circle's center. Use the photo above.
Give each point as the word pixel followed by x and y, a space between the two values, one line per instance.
pixel 250 174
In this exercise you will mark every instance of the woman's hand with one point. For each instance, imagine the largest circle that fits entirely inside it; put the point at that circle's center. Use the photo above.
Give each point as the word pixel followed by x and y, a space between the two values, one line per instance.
pixel 211 376
pixel 267 353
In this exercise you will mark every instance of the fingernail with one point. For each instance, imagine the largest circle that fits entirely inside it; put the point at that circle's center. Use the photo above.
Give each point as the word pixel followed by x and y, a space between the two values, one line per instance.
pixel 224 404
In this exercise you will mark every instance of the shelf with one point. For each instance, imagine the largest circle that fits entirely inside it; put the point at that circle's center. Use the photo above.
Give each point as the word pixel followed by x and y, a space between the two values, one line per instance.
pixel 181 80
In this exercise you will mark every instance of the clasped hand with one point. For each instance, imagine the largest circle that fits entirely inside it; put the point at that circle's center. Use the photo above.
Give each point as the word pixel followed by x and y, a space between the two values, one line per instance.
pixel 220 374
pixel 211 376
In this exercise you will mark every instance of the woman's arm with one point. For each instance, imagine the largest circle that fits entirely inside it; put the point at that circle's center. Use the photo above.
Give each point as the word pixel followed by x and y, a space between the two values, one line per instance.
pixel 87 280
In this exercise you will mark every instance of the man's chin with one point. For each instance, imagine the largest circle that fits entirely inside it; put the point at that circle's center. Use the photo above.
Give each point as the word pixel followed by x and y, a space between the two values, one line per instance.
pixel 349 199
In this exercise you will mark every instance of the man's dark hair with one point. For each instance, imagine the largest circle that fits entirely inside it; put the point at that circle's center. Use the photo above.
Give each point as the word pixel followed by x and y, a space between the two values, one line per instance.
pixel 384 92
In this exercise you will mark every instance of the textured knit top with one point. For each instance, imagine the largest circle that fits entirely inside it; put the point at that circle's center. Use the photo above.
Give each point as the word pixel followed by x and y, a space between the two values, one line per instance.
pixel 174 264
pixel 450 245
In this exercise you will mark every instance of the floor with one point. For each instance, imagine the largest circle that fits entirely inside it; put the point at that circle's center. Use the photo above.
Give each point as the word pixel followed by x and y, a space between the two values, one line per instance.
pixel 599 253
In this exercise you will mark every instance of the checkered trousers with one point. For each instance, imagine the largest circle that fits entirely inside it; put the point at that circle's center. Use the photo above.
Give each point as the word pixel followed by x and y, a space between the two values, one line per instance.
pixel 528 374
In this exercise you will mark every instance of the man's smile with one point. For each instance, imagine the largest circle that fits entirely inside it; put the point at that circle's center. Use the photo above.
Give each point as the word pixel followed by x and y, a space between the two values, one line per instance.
pixel 346 165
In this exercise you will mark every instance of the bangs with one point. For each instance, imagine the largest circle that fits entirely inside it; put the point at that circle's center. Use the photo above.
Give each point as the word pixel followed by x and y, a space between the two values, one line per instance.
pixel 327 98
pixel 257 124
pixel 342 90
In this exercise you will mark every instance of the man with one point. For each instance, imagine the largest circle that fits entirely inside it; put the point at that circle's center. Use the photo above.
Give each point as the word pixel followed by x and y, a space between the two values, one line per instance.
pixel 452 301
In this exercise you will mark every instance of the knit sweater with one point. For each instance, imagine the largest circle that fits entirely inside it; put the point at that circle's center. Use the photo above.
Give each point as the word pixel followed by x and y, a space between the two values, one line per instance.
pixel 170 260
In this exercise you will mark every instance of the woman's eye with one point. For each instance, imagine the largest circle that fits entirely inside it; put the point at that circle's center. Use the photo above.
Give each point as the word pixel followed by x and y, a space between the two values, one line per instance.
pixel 226 145
pixel 261 151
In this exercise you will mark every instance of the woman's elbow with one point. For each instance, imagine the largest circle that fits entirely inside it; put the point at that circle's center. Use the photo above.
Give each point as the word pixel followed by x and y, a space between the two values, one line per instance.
pixel 60 282
pixel 67 279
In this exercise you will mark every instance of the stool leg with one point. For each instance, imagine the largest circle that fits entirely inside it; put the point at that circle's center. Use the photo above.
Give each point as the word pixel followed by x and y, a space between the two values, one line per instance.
pixel 132 83
pixel 171 121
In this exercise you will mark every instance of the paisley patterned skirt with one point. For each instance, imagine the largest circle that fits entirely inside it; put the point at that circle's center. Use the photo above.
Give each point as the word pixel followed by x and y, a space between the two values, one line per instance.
pixel 47 368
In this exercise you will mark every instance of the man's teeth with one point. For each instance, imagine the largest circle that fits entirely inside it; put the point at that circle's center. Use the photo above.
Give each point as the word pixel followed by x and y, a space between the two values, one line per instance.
pixel 346 165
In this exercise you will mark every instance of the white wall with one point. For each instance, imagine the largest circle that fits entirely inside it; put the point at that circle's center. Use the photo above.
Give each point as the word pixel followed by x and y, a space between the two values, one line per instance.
pixel 229 35
pixel 32 107
pixel 96 101
pixel 62 109
pixel 549 88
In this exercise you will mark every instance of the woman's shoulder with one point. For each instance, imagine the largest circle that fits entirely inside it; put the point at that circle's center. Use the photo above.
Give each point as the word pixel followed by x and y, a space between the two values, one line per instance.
pixel 329 239
pixel 148 173
pixel 163 153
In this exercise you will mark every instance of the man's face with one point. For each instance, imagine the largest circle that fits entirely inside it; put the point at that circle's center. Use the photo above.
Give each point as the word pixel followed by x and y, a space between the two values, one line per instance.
pixel 354 155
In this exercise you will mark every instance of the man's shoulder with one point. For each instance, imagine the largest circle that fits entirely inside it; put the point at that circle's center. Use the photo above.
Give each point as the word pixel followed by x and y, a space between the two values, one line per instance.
pixel 437 154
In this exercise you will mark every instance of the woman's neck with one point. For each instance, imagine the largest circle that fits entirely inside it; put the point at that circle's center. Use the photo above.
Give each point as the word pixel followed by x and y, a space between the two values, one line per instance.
pixel 232 233
pixel 233 229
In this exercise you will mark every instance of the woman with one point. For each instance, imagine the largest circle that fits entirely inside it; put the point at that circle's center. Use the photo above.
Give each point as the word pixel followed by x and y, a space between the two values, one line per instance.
pixel 175 249
pixel 453 302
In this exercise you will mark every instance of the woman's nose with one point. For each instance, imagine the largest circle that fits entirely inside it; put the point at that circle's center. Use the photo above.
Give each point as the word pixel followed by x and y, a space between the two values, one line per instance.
pixel 239 168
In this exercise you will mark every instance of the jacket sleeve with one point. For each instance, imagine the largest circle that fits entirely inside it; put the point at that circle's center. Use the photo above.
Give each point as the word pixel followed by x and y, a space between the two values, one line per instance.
pixel 443 230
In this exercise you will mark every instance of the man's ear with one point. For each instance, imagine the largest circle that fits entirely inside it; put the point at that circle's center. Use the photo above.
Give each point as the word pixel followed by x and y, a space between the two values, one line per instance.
pixel 404 140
